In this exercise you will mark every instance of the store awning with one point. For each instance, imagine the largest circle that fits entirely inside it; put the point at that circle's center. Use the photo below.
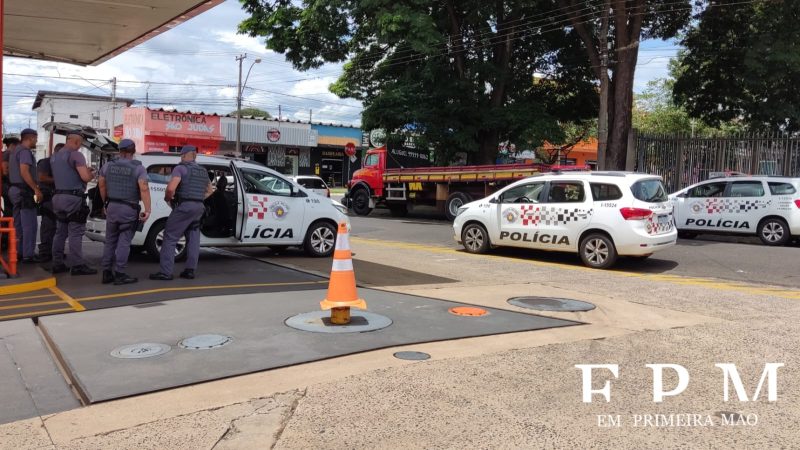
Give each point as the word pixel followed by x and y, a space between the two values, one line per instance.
pixel 89 32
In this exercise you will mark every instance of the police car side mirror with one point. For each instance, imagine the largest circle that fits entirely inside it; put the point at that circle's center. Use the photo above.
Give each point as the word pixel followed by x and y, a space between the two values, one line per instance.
pixel 496 199
pixel 682 195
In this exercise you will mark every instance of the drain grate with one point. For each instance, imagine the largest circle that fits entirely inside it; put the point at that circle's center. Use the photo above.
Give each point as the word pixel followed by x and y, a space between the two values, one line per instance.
pixel 139 351
pixel 551 304
pixel 205 342
pixel 412 356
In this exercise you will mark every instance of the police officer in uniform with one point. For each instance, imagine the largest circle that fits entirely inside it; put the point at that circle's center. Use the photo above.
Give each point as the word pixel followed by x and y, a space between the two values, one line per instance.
pixel 186 190
pixel 47 229
pixel 10 141
pixel 122 183
pixel 24 193
pixel 69 203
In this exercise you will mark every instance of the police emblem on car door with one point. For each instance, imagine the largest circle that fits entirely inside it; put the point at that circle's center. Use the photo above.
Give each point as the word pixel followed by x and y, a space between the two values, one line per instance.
pixel 270 213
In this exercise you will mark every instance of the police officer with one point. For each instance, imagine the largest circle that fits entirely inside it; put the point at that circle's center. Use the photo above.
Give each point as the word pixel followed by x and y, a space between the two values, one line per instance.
pixel 186 190
pixel 24 193
pixel 123 182
pixel 47 229
pixel 69 203
pixel 10 141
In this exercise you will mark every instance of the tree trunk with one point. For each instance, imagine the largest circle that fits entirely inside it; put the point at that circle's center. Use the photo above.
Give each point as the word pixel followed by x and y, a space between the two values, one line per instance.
pixel 488 140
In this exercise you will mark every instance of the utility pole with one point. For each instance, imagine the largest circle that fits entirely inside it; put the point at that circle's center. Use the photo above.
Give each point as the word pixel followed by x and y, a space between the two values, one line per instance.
pixel 239 58
pixel 310 115
pixel 147 96
pixel 239 92
pixel 279 113
pixel 113 107
pixel 602 119
pixel 52 119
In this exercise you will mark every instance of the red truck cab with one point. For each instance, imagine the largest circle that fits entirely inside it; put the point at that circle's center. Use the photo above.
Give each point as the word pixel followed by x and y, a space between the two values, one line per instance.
pixel 371 172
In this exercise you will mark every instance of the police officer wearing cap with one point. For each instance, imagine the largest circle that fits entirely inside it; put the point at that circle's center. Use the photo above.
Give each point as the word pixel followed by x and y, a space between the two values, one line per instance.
pixel 47 229
pixel 69 204
pixel 186 191
pixel 123 183
pixel 10 141
pixel 24 193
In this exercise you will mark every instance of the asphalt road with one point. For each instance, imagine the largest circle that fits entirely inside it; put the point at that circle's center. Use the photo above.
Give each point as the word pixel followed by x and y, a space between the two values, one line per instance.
pixel 742 259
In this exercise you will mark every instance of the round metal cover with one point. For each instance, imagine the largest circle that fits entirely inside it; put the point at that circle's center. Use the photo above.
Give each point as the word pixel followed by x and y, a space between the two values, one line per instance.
pixel 138 351
pixel 469 311
pixel 320 322
pixel 205 342
pixel 551 304
pixel 412 356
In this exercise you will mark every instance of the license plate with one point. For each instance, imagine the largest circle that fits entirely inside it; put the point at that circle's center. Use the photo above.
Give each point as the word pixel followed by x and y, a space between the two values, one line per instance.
pixel 663 219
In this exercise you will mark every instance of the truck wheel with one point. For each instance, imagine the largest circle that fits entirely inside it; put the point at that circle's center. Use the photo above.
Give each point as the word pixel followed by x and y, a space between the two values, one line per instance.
pixel 398 210
pixel 454 201
pixel 774 231
pixel 475 238
pixel 361 202
pixel 597 251
pixel 156 237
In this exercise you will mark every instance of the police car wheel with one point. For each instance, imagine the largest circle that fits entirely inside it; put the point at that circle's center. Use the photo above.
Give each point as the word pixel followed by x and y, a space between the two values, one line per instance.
pixel 475 238
pixel 774 231
pixel 156 237
pixel 320 239
pixel 598 251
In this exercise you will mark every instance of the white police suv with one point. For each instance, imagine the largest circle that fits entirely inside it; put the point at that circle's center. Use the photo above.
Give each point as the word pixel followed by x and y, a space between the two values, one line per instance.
pixel 768 207
pixel 599 215
pixel 251 206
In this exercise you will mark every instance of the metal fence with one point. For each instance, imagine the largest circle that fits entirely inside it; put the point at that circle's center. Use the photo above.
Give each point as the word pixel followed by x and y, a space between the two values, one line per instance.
pixel 684 160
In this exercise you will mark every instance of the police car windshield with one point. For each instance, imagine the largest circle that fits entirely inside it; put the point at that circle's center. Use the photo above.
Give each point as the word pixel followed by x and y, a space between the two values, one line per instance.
pixel 650 191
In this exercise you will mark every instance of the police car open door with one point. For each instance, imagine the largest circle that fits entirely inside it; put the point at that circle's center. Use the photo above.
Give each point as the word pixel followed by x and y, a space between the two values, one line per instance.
pixel 270 209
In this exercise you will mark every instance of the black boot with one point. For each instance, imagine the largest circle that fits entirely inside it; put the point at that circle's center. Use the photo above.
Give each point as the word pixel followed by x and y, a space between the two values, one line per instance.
pixel 59 268
pixel 123 278
pixel 83 269
pixel 160 276
pixel 108 276
pixel 188 274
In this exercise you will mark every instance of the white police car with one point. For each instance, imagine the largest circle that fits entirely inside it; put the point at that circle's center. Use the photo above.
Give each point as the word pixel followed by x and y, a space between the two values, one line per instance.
pixel 599 215
pixel 252 206
pixel 768 207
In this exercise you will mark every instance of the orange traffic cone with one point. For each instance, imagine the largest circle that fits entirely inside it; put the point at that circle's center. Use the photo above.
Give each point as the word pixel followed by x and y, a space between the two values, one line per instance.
pixel 342 293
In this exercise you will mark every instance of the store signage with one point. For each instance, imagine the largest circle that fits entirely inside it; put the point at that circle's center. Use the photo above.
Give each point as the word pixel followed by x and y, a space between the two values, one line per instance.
pixel 254 149
pixel 274 135
pixel 377 137
pixel 350 149
pixel 183 124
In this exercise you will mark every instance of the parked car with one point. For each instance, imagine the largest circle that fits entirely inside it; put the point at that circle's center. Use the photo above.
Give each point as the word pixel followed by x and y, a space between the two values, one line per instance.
pixel 599 215
pixel 314 184
pixel 252 206
pixel 768 207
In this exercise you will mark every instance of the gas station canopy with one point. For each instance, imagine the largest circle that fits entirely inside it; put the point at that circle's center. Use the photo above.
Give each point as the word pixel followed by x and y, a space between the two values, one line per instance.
pixel 89 32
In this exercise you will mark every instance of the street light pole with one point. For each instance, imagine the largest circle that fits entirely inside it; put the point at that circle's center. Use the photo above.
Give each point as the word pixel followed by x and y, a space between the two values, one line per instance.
pixel 239 92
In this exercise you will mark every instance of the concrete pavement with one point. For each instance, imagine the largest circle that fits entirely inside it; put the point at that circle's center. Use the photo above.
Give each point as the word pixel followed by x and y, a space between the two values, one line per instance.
pixel 504 391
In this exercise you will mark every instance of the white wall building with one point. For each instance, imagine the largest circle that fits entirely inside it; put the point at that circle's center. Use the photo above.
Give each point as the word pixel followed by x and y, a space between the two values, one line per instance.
pixel 95 111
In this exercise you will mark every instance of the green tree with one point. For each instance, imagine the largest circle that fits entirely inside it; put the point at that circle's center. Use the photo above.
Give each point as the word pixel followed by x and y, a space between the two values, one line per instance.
pixel 742 63
pixel 619 26
pixel 255 112
pixel 467 74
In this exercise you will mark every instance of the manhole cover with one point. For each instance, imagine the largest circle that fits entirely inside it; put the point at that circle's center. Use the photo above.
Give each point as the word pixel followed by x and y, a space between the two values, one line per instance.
pixel 138 351
pixel 551 304
pixel 320 322
pixel 205 341
pixel 412 356
pixel 468 311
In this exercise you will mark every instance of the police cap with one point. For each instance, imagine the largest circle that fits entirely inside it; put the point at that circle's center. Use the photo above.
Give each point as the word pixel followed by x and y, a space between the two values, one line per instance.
pixel 28 131
pixel 188 149
pixel 127 145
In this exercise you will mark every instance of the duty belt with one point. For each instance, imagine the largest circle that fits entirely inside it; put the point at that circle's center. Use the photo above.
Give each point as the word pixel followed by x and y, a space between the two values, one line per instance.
pixel 75 192
pixel 125 202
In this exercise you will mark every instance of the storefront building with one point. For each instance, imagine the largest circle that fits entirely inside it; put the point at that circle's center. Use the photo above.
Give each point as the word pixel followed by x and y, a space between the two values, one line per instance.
pixel 282 146
pixel 167 131
pixel 330 160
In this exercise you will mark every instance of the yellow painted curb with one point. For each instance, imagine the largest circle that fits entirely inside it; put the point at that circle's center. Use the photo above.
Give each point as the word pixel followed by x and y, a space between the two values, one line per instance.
pixel 28 287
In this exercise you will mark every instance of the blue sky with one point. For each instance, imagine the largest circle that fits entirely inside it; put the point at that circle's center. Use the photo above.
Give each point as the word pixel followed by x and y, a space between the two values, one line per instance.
pixel 203 51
